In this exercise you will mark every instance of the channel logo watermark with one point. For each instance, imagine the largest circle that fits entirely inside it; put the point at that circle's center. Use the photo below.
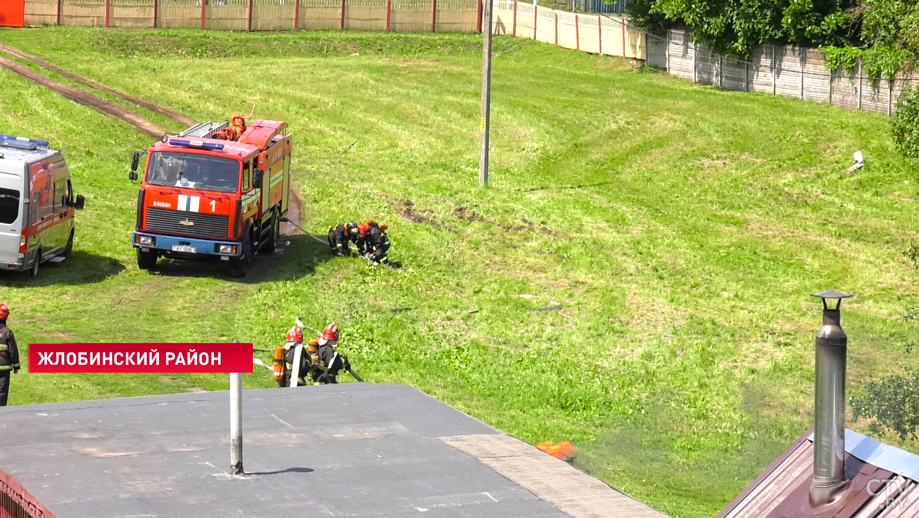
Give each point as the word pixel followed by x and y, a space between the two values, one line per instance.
pixel 890 493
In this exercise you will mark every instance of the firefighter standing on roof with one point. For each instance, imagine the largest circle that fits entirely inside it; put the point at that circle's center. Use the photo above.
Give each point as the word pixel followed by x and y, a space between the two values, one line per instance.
pixel 9 355
pixel 341 236
pixel 330 362
pixel 376 240
pixel 298 361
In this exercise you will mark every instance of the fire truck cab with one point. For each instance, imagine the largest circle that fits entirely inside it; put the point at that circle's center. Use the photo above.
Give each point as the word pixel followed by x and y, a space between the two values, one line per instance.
pixel 37 205
pixel 205 195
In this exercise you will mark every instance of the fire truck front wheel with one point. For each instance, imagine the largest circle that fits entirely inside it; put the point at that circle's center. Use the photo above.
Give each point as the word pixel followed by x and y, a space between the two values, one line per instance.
pixel 146 260
pixel 239 266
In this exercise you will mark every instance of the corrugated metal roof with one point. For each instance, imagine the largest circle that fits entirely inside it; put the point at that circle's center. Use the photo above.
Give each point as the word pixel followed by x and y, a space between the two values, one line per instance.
pixel 883 481
pixel 881 455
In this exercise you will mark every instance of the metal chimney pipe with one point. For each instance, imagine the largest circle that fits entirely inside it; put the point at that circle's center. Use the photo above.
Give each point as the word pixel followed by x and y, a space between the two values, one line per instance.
pixel 830 406
pixel 236 423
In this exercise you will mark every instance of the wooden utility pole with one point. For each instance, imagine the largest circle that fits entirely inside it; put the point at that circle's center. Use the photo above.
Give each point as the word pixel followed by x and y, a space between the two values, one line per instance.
pixel 486 93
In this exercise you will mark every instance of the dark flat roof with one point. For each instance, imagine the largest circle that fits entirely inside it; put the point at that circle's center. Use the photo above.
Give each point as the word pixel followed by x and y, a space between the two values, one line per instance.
pixel 356 449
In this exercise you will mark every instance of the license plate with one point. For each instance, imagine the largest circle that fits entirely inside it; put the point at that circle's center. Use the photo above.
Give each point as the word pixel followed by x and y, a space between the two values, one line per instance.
pixel 186 249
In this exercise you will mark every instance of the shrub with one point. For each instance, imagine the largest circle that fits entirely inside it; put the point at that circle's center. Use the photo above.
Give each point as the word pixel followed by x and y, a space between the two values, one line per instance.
pixel 905 125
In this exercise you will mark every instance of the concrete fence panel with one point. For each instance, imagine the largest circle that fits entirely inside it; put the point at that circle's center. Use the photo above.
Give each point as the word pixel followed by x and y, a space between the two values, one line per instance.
pixel 273 15
pixel 179 14
pixel 317 15
pixel 131 13
pixel 546 28
pixel 41 12
pixel 816 77
pixel 365 15
pixel 412 16
pixel 82 13
pixel 567 30
pixel 456 15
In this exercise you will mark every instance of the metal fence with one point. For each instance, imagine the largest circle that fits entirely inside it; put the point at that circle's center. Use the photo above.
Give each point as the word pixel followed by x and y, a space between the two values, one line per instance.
pixel 596 6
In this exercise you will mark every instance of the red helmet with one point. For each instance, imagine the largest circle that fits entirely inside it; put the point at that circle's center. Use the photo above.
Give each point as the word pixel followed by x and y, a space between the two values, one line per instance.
pixel 5 312
pixel 330 333
pixel 295 335
pixel 363 228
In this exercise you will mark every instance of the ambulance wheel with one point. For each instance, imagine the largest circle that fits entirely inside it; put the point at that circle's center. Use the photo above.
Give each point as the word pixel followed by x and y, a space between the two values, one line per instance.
pixel 69 248
pixel 146 260
pixel 275 236
pixel 239 266
pixel 33 271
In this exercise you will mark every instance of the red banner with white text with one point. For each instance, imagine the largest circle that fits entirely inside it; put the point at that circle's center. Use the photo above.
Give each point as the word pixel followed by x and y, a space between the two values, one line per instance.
pixel 140 358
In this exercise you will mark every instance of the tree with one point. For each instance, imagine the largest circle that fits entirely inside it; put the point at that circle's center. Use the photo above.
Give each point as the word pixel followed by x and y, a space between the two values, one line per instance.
pixel 893 402
pixel 905 125
pixel 735 26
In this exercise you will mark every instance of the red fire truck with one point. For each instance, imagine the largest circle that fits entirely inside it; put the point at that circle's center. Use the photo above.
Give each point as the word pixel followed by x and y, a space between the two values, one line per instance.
pixel 213 190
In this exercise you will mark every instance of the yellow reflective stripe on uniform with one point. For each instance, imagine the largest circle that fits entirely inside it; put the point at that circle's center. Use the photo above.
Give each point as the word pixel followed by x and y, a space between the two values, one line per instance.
pixel 4 348
pixel 7 367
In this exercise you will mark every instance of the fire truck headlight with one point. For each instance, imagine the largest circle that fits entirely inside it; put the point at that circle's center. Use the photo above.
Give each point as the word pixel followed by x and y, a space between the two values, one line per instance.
pixel 226 249
pixel 146 241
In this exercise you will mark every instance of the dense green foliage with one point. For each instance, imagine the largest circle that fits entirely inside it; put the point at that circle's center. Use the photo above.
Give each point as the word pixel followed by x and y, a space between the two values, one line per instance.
pixel 905 125
pixel 884 33
pixel 680 228
pixel 892 402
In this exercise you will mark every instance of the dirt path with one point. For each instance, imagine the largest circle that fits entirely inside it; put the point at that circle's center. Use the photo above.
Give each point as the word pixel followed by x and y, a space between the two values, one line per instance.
pixel 165 112
pixel 85 98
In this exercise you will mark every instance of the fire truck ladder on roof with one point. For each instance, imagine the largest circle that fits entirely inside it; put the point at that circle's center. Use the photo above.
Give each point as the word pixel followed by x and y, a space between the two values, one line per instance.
pixel 205 129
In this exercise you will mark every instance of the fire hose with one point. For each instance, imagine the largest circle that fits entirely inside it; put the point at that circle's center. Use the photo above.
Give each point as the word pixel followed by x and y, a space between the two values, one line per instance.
pixel 301 229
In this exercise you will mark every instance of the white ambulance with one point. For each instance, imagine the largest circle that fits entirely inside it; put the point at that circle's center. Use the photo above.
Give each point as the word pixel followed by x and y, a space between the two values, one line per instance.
pixel 37 205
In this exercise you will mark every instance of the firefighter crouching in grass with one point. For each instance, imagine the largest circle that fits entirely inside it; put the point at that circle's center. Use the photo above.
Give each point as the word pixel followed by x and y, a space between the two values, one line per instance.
pixel 9 355
pixel 341 236
pixel 376 241
pixel 327 361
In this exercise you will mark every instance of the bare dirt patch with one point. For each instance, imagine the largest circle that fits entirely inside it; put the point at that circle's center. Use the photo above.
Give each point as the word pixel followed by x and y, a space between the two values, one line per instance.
pixel 408 211
pixel 467 214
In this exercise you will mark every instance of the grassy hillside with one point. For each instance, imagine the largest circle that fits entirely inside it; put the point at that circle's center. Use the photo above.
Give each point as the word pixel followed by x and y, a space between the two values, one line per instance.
pixel 681 228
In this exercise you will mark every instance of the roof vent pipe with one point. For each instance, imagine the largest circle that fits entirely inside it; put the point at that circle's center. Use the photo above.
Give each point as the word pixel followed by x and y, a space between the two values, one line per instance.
pixel 830 483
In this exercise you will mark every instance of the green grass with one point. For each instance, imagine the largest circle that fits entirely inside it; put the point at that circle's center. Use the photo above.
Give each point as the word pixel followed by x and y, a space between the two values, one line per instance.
pixel 681 228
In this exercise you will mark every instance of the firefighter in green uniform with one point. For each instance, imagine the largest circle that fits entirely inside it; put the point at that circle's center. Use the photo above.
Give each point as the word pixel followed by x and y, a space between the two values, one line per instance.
pixel 9 355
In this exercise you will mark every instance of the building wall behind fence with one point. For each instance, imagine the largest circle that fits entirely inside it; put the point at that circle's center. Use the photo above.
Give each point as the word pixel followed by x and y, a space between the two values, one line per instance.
pixel 262 15
pixel 783 70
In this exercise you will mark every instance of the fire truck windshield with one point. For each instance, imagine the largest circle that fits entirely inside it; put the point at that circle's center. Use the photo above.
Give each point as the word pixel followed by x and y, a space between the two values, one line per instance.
pixel 193 171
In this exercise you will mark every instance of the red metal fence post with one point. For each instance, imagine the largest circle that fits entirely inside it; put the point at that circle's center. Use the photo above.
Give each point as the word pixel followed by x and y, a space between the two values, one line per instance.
pixel 478 23
pixel 433 15
pixel 108 10
pixel 156 9
pixel 535 12
pixel 515 18
pixel 203 11
pixel 622 24
pixel 577 34
pixel 297 16
pixel 60 7
pixel 249 22
pixel 600 34
pixel 342 15
pixel 388 15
